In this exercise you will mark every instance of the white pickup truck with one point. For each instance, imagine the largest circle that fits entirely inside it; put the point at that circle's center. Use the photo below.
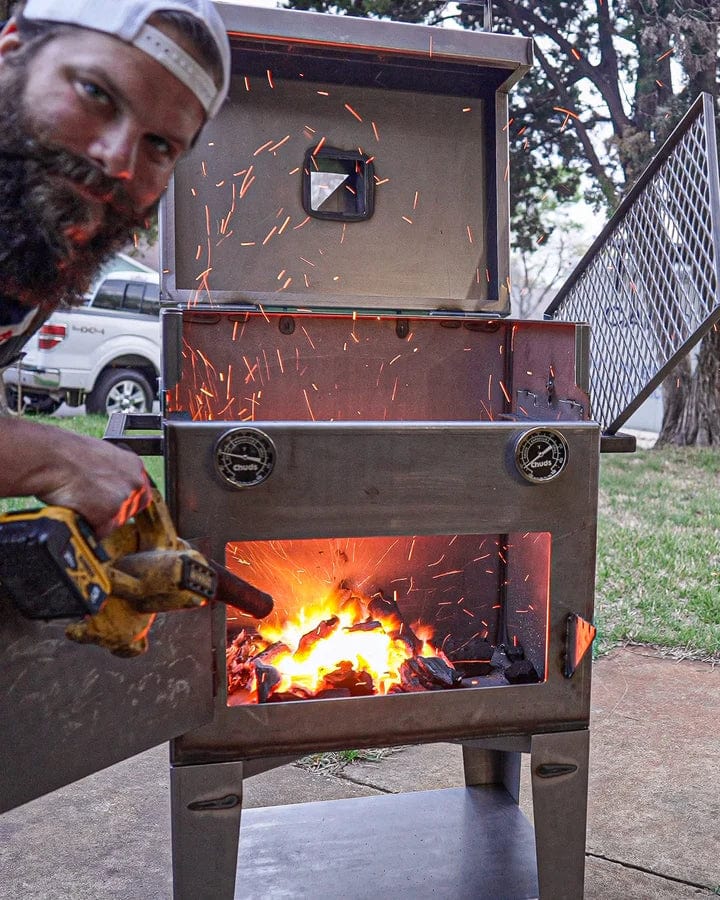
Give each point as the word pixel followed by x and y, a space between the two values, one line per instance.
pixel 105 354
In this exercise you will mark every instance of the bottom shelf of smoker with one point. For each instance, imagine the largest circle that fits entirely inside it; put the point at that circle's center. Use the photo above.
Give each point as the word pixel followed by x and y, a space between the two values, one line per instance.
pixel 469 843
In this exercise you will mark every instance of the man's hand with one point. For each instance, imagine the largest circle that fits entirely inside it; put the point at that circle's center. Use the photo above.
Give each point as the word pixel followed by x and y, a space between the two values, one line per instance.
pixel 105 484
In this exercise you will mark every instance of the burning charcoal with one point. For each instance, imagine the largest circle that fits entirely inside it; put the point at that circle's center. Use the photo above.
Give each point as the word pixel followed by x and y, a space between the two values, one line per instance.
pixel 367 625
pixel 522 671
pixel 389 614
pixel 360 684
pixel 267 678
pixel 352 603
pixel 323 630
pixel 433 673
pixel 409 680
pixel 246 644
pixel 272 652
pixel 470 657
pixel 285 696
pixel 331 694
pixel 239 678
pixel 238 660
pixel 412 645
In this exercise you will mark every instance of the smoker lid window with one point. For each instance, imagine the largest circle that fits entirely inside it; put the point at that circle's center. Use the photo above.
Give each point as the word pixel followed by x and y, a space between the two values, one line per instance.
pixel 338 184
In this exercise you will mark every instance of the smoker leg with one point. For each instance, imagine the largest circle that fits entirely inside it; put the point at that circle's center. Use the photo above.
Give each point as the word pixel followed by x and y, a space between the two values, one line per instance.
pixel 206 802
pixel 492 766
pixel 559 784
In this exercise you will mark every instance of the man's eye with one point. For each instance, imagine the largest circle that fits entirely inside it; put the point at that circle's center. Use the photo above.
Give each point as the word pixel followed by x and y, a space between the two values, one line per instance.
pixel 161 146
pixel 94 91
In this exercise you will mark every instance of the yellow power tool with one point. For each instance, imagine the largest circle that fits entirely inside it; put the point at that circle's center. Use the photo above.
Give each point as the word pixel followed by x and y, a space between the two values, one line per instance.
pixel 52 566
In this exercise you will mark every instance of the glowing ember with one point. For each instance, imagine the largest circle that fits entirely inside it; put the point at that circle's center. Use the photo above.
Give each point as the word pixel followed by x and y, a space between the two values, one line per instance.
pixel 352 645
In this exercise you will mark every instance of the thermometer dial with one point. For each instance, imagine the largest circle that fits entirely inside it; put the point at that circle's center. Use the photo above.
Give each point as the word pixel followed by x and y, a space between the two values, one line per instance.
pixel 541 454
pixel 244 457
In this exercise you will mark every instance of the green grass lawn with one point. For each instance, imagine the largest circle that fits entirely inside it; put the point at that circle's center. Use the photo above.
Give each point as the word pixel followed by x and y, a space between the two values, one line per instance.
pixel 658 566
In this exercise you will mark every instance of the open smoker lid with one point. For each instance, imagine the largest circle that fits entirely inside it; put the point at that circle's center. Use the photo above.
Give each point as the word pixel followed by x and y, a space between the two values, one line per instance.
pixel 649 286
pixel 357 164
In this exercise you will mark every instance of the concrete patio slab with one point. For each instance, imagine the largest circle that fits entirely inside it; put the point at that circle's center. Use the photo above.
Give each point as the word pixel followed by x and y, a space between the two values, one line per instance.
pixel 654 800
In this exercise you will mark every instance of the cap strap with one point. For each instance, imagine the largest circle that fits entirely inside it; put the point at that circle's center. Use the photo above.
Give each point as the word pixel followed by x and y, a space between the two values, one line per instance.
pixel 158 45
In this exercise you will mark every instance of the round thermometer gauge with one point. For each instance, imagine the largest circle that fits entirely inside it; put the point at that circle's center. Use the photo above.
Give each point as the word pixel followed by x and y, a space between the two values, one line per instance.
pixel 244 457
pixel 541 454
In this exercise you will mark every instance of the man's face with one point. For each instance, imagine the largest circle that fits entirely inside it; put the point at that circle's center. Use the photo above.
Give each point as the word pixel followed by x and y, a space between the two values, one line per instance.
pixel 90 131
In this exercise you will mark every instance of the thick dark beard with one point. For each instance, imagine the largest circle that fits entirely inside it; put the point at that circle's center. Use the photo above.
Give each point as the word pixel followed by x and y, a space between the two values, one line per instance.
pixel 39 264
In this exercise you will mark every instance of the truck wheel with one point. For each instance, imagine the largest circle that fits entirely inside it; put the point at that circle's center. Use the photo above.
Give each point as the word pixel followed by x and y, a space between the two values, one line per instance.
pixel 32 403
pixel 120 390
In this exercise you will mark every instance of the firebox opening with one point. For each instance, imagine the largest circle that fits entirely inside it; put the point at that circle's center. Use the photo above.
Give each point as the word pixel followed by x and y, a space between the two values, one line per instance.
pixel 370 616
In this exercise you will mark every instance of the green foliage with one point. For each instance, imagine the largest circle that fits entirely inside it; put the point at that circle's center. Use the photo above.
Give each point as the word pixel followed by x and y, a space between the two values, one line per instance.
pixel 607 64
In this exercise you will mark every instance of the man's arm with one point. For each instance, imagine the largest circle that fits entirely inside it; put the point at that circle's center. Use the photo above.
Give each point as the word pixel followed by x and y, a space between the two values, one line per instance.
pixel 102 482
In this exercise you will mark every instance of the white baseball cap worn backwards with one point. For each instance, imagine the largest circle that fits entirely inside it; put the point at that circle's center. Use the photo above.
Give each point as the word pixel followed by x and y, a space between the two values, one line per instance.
pixel 127 20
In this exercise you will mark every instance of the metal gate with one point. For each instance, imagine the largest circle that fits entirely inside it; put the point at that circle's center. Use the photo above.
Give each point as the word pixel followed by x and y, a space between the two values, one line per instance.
pixel 649 286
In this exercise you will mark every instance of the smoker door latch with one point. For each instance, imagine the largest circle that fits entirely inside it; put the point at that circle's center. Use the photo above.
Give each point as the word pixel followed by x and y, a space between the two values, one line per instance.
pixel 536 406
pixel 578 639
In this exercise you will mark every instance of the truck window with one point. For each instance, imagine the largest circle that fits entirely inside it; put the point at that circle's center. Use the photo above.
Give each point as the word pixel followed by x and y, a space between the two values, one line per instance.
pixel 110 294
pixel 133 296
pixel 151 300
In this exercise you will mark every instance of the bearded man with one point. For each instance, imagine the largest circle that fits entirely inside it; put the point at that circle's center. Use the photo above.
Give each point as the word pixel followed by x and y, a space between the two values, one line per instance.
pixel 98 101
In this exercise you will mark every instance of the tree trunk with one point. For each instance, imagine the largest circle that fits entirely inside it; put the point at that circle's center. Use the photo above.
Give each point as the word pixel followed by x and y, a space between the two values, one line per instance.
pixel 5 9
pixel 692 399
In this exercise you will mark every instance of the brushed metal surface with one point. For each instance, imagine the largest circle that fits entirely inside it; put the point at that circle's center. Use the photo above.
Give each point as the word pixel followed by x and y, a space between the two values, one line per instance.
pixel 428 104
pixel 354 479
pixel 462 843
pixel 251 366
pixel 284 26
pixel 69 710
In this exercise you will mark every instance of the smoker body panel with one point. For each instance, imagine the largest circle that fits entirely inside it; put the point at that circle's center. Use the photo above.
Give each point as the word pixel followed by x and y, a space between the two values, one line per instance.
pixel 236 365
pixel 369 479
pixel 68 711
pixel 347 479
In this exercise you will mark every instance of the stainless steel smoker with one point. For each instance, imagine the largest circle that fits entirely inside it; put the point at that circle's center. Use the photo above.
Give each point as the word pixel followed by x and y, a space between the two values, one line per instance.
pixel 346 407
pixel 349 416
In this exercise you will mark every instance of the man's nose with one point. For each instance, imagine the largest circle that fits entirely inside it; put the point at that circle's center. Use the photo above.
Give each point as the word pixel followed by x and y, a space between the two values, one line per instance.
pixel 115 151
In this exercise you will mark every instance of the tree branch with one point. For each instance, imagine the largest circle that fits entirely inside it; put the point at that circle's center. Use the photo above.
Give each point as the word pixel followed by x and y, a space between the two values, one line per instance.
pixel 606 185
